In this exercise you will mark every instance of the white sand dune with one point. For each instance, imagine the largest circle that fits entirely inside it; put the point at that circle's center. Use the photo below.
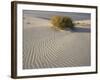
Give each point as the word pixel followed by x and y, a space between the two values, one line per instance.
pixel 84 23
pixel 45 47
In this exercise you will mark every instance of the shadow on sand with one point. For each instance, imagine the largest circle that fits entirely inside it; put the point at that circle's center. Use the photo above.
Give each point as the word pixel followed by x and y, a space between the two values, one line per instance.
pixel 44 18
pixel 78 29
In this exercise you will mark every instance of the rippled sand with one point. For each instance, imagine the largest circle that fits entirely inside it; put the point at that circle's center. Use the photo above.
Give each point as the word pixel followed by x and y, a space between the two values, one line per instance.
pixel 45 47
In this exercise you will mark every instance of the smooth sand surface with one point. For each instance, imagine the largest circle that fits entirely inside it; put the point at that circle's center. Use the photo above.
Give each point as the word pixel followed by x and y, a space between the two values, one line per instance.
pixel 46 47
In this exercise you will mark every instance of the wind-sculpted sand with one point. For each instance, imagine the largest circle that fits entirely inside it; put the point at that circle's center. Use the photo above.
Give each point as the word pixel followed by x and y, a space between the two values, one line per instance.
pixel 45 47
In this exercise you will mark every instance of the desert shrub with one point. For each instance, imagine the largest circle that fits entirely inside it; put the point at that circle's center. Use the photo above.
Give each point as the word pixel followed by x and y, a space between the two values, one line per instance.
pixel 62 22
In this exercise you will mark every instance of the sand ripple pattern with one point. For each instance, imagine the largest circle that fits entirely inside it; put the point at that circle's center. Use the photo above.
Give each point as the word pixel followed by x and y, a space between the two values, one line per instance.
pixel 44 47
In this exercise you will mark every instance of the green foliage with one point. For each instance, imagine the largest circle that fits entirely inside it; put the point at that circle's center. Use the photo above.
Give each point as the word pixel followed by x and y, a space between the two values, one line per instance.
pixel 62 22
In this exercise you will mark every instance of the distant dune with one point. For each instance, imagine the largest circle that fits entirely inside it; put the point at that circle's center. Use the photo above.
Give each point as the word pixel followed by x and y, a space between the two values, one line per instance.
pixel 83 23
pixel 45 47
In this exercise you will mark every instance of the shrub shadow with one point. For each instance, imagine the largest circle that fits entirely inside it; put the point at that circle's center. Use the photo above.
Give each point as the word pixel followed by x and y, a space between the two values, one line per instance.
pixel 78 29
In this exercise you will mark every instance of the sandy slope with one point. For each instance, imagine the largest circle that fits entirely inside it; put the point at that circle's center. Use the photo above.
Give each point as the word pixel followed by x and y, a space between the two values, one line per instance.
pixel 45 47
